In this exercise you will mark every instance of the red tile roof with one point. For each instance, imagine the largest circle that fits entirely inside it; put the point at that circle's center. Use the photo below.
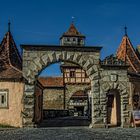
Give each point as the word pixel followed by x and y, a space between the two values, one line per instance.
pixel 127 53
pixel 51 81
pixel 10 59
pixel 79 94
pixel 72 31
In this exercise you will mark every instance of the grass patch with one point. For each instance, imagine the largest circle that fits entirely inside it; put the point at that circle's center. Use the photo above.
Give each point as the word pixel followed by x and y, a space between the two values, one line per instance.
pixel 6 126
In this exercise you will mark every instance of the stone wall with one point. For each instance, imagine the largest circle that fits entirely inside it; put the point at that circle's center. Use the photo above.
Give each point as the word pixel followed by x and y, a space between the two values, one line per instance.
pixel 36 58
pixel 135 90
pixel 115 79
pixel 53 98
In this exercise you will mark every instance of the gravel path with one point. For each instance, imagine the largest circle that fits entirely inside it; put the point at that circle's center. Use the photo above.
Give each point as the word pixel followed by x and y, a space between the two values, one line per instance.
pixel 71 133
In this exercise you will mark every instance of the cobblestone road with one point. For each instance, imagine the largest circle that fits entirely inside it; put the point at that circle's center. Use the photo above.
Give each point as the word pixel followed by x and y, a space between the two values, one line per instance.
pixel 71 133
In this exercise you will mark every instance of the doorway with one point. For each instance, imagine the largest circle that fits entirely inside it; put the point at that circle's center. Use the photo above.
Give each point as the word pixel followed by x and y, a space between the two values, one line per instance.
pixel 113 108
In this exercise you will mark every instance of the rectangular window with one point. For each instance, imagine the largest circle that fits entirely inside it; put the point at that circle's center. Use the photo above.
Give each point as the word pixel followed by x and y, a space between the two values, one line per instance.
pixel 3 98
pixel 86 76
pixel 72 74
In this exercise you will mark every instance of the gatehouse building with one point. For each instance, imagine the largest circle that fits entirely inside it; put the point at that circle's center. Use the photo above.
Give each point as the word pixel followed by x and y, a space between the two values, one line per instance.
pixel 106 91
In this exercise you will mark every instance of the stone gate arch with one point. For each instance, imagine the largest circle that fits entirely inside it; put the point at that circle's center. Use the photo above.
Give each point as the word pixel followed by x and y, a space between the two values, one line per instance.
pixel 36 58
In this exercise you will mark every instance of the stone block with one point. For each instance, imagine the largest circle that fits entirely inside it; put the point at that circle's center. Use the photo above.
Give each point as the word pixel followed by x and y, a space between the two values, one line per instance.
pixel 106 78
pixel 102 94
pixel 27 121
pixel 96 61
pixel 29 101
pixel 31 80
pixel 64 55
pixel 111 85
pixel 37 61
pixel 33 66
pixel 59 56
pixel 123 106
pixel 32 54
pixel 105 86
pixel 97 120
pixel 122 86
pixel 103 100
pixel 28 73
pixel 96 102
pixel 45 59
pixel 115 85
pixel 52 56
pixel 82 62
pixel 95 83
pixel 29 87
pixel 69 56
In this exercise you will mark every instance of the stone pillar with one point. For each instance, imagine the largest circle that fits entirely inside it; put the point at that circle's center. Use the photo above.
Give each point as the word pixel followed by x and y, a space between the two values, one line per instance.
pixel 97 119
pixel 103 104
pixel 28 109
pixel 125 118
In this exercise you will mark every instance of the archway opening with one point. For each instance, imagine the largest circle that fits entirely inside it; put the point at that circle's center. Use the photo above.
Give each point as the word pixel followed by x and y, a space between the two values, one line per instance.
pixel 113 108
pixel 65 99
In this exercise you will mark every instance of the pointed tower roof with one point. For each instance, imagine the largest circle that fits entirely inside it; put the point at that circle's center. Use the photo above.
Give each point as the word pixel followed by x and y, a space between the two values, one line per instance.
pixel 127 53
pixel 10 59
pixel 72 31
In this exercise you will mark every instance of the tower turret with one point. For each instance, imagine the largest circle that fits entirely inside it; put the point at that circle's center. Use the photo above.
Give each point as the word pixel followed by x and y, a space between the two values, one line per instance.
pixel 72 37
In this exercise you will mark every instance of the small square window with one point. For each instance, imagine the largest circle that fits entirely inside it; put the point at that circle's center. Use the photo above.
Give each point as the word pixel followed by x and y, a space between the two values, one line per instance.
pixel 72 74
pixel 3 98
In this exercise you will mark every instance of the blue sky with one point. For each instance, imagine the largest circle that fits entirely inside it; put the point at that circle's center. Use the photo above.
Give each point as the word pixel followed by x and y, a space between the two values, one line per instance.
pixel 44 21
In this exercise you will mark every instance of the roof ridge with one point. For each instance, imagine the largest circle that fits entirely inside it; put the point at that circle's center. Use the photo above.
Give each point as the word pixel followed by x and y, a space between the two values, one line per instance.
pixel 72 31
pixel 15 68
pixel 10 49
pixel 16 50
pixel 127 53
pixel 133 49
pixel 131 63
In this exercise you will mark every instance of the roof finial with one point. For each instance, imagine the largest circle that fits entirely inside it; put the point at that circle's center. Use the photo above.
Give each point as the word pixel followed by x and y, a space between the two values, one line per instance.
pixel 125 29
pixel 72 18
pixel 9 24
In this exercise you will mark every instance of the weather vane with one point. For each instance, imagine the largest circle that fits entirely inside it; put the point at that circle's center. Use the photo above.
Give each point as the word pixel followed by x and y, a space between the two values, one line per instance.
pixel 73 18
pixel 125 29
pixel 9 24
